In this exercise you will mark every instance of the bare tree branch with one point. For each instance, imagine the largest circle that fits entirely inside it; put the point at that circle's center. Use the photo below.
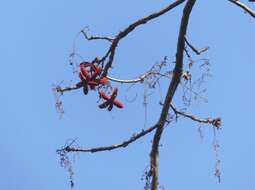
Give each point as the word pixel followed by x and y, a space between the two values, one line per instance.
pixel 130 28
pixel 177 73
pixel 176 76
pixel 111 147
pixel 215 122
pixel 244 7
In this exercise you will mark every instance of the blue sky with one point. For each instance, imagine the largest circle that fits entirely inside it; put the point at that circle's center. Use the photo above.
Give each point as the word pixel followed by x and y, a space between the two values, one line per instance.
pixel 36 40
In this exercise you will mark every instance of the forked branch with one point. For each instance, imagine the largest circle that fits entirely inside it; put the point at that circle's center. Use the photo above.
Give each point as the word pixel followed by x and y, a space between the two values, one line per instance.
pixel 198 52
pixel 130 28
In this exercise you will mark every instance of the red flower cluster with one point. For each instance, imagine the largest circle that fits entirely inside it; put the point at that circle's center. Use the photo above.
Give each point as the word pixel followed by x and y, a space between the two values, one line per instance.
pixel 90 79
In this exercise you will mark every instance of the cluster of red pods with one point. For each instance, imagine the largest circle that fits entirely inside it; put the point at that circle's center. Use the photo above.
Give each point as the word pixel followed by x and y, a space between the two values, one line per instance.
pixel 90 76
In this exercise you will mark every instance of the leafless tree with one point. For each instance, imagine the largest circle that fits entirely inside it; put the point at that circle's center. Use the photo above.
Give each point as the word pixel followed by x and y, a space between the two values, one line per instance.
pixel 178 77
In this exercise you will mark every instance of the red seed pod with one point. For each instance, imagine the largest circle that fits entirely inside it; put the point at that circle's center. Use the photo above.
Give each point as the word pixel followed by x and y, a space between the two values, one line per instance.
pixel 103 95
pixel 85 87
pixel 84 71
pixel 81 76
pixel 110 107
pixel 85 90
pixel 104 105
pixel 114 94
pixel 103 80
pixel 110 101
pixel 97 71
pixel 92 83
pixel 83 83
pixel 118 103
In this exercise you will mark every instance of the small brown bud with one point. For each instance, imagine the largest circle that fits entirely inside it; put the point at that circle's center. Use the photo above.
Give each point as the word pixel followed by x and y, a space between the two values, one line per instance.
pixel 217 122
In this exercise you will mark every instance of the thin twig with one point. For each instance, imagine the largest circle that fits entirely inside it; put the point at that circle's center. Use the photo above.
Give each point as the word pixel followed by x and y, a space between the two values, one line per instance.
pixel 244 7
pixel 215 122
pixel 62 90
pixel 136 80
pixel 96 37
pixel 198 52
